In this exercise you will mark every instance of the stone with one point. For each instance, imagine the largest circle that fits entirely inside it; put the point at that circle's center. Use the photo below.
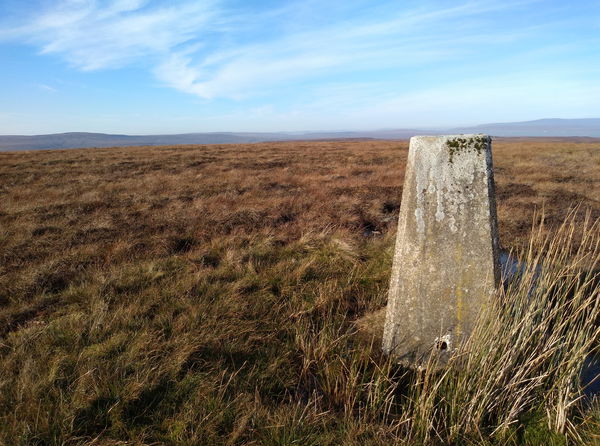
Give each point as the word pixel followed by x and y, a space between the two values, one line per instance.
pixel 445 263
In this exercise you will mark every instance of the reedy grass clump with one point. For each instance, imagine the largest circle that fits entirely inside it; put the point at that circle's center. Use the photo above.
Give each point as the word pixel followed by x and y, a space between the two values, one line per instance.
pixel 523 361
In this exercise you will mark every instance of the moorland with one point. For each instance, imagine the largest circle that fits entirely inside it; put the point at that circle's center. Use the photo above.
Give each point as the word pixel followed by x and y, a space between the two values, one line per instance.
pixel 207 294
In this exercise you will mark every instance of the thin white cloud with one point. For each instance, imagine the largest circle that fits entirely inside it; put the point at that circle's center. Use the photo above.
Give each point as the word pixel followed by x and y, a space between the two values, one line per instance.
pixel 94 35
pixel 468 101
pixel 47 88
pixel 408 39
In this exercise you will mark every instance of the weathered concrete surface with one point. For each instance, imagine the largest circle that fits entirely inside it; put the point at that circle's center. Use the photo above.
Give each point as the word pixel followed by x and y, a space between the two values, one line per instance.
pixel 446 258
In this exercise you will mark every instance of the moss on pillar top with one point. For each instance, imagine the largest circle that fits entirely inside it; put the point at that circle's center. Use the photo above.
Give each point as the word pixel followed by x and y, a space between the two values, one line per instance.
pixel 459 144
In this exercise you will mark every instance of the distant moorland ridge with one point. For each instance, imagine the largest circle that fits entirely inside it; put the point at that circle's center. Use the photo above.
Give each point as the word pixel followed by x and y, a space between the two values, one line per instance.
pixel 589 127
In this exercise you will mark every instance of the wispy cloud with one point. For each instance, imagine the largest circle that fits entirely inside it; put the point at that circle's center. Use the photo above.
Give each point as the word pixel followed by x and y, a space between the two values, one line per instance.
pixel 47 88
pixel 94 35
pixel 350 58
pixel 209 49
pixel 406 39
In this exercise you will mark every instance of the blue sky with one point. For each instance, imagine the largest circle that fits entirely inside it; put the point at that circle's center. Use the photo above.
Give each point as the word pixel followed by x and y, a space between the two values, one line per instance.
pixel 142 66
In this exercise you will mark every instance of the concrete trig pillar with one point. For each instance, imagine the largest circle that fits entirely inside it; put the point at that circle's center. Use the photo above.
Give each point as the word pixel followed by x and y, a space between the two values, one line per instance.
pixel 446 258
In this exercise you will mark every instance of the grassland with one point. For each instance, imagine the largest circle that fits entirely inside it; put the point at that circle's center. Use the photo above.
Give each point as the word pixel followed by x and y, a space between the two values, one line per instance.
pixel 207 294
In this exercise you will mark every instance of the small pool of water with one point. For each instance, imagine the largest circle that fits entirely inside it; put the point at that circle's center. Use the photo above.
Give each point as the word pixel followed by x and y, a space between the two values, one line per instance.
pixel 510 266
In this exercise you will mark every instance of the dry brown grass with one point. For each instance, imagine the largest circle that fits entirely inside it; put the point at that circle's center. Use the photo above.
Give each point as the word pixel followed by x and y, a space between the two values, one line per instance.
pixel 202 295
pixel 525 355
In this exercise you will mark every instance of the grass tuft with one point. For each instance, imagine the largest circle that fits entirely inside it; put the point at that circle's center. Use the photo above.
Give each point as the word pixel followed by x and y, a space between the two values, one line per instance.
pixel 518 375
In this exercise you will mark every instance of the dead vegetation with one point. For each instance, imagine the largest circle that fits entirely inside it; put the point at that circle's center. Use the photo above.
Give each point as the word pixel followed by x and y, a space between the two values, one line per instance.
pixel 206 294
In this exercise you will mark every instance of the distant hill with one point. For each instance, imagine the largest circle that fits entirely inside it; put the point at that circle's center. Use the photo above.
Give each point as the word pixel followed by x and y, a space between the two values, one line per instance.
pixel 82 139
pixel 541 127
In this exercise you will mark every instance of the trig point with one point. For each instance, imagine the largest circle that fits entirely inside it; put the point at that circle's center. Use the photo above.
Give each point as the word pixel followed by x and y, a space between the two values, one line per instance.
pixel 446 258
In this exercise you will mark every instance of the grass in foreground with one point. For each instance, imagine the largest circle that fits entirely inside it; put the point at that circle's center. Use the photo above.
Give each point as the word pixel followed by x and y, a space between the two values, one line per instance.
pixel 207 296
pixel 517 379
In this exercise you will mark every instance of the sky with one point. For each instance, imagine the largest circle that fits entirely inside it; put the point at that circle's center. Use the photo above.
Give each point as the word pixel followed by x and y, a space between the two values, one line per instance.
pixel 179 66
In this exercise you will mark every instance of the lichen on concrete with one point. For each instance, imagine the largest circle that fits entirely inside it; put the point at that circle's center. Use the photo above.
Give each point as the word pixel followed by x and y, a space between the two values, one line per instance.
pixel 466 143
